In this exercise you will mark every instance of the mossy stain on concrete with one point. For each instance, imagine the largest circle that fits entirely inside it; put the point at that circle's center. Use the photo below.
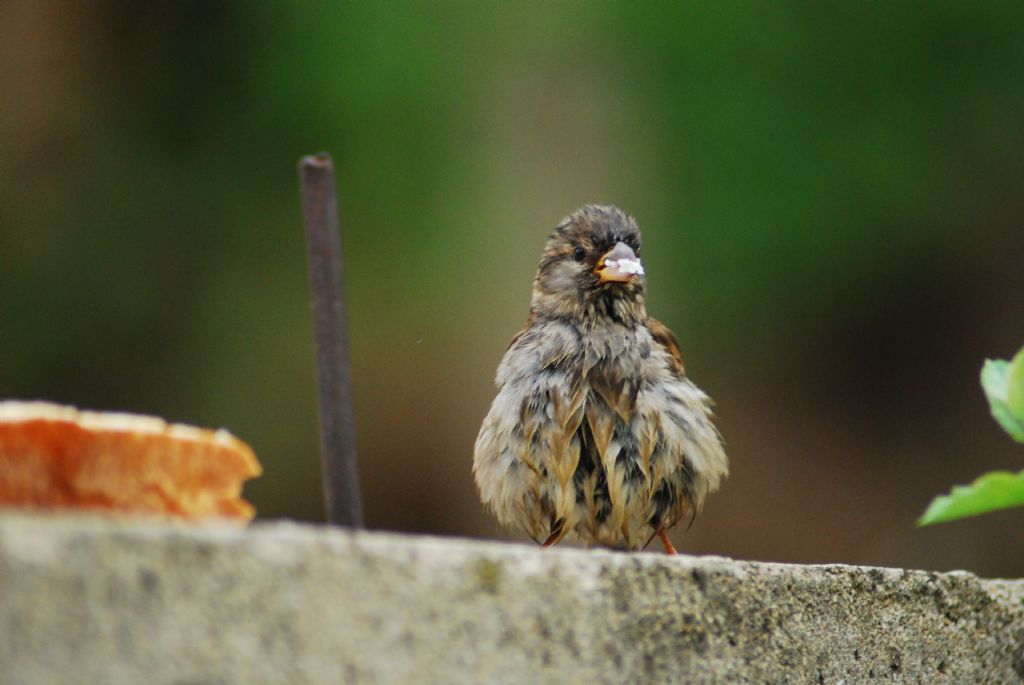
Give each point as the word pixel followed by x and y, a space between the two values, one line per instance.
pixel 488 573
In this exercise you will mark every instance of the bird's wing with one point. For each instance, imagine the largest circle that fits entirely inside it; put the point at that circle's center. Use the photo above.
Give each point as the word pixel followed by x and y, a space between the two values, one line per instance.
pixel 664 337
pixel 533 424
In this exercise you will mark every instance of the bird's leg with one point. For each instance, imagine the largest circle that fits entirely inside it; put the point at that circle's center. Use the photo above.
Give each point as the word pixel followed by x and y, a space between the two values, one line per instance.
pixel 557 533
pixel 669 549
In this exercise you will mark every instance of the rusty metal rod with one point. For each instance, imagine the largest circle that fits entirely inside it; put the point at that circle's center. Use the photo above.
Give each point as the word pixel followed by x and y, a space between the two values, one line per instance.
pixel 330 339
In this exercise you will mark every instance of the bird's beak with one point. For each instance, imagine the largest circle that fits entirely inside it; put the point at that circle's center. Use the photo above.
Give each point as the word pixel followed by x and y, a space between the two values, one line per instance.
pixel 619 265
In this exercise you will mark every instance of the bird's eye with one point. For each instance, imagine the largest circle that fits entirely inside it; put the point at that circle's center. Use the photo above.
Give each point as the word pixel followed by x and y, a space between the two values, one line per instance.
pixel 579 254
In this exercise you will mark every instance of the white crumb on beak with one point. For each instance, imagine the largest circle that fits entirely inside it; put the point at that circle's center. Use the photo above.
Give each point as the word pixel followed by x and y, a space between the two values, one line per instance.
pixel 626 266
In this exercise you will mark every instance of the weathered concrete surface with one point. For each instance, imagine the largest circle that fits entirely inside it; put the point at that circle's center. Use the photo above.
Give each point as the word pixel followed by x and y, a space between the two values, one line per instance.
pixel 97 601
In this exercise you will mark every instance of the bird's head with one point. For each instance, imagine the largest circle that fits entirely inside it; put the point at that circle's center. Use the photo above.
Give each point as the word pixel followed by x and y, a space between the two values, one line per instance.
pixel 591 268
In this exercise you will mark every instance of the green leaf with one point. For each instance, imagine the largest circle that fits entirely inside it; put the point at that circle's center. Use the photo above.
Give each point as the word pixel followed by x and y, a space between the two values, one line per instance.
pixel 1015 391
pixel 1003 382
pixel 992 491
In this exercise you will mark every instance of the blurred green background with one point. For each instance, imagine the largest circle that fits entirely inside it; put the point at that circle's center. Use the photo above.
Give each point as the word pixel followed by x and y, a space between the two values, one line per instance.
pixel 831 197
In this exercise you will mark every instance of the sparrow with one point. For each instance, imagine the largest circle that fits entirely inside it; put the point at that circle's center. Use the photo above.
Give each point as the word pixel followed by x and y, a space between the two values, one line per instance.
pixel 596 432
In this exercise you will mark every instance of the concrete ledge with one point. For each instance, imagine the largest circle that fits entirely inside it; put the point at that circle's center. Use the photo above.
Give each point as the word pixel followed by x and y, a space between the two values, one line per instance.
pixel 98 601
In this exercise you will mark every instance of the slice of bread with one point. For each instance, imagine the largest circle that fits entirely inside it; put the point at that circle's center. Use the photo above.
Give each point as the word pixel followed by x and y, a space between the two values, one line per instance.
pixel 57 457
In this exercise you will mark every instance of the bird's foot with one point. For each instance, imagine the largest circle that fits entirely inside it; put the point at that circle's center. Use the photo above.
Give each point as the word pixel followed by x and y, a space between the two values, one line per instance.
pixel 663 536
pixel 552 539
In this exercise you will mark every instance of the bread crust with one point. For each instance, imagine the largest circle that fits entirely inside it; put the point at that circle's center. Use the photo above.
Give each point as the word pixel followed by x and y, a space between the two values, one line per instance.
pixel 57 457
